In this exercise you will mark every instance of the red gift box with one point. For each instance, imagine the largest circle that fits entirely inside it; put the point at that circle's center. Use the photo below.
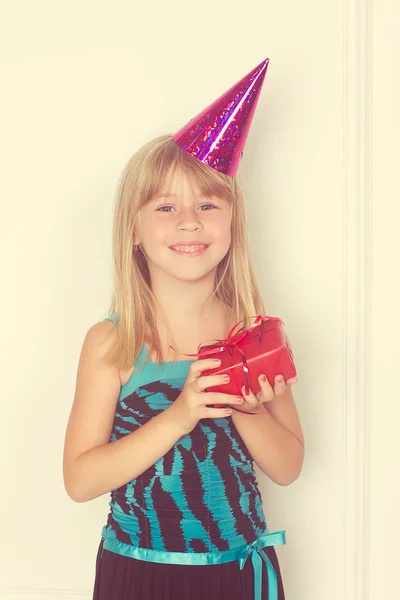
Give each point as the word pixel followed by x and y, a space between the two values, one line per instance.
pixel 261 348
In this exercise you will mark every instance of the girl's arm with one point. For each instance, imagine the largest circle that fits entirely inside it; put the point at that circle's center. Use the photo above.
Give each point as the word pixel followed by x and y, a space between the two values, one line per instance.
pixel 274 438
pixel 92 465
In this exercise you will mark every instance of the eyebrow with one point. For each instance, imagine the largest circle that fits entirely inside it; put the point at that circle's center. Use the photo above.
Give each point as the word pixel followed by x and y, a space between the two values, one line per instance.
pixel 168 194
pixel 171 195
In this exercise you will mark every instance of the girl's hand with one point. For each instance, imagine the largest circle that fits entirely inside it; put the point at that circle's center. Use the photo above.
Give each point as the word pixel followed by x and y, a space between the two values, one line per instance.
pixel 191 404
pixel 267 393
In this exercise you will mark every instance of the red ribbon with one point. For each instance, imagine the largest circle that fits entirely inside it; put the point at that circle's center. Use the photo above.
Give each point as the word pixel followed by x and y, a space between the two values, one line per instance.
pixel 236 341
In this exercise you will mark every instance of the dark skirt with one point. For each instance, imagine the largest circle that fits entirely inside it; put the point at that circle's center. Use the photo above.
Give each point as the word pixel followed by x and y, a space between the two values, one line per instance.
pixel 121 577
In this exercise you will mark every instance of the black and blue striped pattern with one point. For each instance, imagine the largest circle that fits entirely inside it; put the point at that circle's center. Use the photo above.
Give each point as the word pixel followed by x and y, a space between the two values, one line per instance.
pixel 203 495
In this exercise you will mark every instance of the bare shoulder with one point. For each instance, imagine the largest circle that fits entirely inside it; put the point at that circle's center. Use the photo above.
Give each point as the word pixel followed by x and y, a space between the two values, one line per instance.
pixel 101 336
pixel 96 395
pixel 101 333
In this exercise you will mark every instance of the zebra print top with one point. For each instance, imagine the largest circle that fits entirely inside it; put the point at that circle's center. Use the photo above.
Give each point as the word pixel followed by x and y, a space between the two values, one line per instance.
pixel 202 495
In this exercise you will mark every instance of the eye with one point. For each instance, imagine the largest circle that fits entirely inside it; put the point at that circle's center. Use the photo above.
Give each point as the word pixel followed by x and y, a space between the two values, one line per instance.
pixel 212 205
pixel 160 209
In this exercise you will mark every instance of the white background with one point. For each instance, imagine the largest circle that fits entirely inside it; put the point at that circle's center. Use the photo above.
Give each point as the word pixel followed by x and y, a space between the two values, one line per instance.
pixel 84 85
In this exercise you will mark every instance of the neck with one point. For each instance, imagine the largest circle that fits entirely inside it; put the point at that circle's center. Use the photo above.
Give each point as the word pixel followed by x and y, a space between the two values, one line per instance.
pixel 185 301
pixel 189 313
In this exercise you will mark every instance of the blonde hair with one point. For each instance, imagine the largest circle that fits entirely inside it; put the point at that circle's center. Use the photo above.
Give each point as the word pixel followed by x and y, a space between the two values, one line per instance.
pixel 133 302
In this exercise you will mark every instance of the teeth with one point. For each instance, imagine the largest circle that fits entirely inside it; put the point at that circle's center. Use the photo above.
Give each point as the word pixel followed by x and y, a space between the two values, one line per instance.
pixel 188 248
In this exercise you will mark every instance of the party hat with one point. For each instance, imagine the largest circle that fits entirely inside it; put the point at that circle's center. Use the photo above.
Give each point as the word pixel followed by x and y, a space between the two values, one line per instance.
pixel 218 134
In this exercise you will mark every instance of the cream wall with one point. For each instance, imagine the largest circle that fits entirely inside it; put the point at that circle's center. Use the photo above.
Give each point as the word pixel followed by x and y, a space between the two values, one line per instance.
pixel 84 85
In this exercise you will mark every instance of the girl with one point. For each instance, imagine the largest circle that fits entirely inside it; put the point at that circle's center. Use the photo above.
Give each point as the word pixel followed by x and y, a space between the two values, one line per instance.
pixel 186 519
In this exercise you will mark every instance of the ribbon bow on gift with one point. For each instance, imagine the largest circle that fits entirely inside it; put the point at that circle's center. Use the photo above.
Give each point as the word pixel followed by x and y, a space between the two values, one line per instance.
pixel 237 340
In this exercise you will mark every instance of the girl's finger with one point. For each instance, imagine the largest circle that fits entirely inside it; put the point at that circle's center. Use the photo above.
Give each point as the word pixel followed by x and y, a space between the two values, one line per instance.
pixel 267 392
pixel 280 385
pixel 250 398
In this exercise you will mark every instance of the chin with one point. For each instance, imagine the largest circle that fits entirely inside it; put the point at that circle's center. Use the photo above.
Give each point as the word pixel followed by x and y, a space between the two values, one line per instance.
pixel 188 272
pixel 192 274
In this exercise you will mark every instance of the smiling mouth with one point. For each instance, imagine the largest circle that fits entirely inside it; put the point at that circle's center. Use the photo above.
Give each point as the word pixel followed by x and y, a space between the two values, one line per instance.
pixel 194 250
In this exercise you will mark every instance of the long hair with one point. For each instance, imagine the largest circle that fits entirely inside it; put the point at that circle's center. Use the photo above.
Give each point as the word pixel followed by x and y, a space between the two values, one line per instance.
pixel 133 303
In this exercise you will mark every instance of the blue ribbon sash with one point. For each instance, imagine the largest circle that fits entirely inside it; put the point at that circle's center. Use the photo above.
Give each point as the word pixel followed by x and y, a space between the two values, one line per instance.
pixel 241 554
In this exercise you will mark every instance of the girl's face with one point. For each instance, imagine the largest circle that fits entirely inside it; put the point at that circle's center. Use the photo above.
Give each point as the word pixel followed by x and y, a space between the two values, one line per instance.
pixel 179 215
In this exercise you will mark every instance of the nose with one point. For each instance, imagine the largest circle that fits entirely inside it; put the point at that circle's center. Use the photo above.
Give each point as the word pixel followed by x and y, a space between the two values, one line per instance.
pixel 189 220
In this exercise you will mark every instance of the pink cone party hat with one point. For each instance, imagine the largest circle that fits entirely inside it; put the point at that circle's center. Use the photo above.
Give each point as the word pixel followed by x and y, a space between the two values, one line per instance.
pixel 218 134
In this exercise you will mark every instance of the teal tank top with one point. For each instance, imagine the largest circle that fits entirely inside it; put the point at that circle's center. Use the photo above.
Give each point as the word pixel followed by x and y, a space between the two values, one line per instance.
pixel 203 495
